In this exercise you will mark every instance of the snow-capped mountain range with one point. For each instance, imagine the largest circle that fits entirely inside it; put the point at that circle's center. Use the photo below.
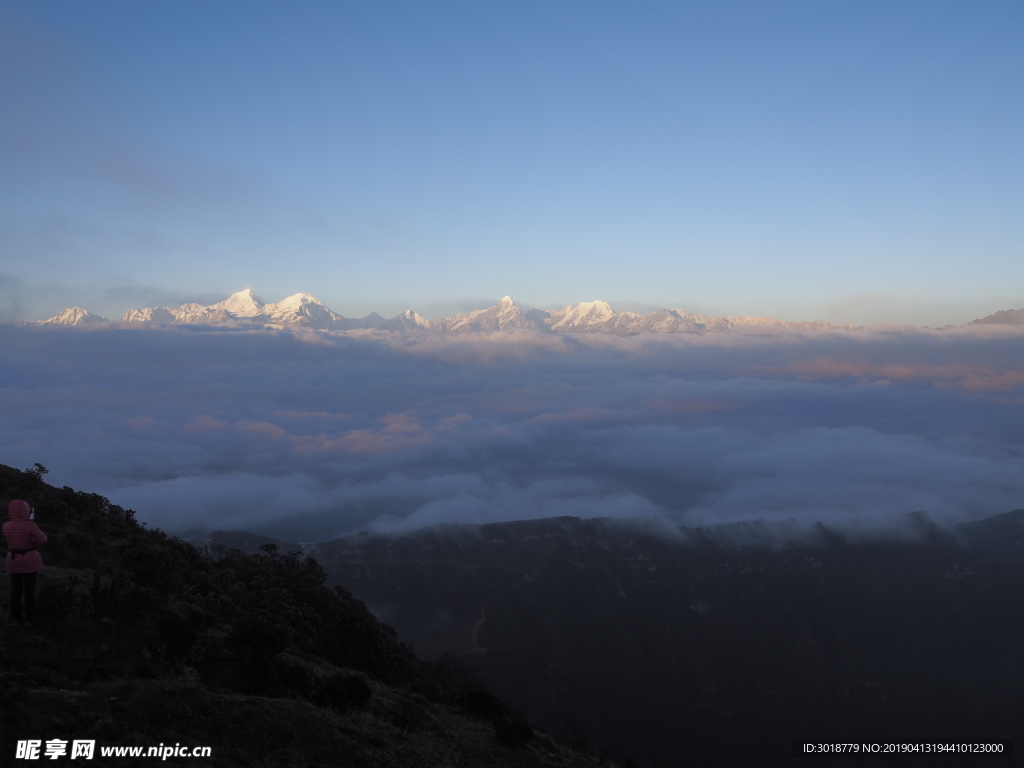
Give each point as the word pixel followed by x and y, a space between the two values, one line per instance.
pixel 304 311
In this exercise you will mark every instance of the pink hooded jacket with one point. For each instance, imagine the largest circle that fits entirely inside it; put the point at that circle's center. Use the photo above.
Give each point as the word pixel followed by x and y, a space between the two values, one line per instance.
pixel 22 534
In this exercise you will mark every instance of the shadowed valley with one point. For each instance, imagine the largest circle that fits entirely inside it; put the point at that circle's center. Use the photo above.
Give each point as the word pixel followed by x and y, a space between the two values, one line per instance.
pixel 729 642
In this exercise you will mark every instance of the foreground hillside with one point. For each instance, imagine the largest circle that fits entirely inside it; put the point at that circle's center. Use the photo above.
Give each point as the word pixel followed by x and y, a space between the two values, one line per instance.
pixel 709 645
pixel 145 640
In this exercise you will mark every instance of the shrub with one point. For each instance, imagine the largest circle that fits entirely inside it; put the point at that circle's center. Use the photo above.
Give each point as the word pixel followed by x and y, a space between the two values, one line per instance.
pixel 343 692
pixel 255 643
pixel 289 676
pixel 512 732
pixel 483 705
pixel 177 634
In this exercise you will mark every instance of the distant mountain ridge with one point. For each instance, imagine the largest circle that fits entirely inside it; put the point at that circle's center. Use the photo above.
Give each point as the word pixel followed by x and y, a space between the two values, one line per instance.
pixel 1003 317
pixel 301 310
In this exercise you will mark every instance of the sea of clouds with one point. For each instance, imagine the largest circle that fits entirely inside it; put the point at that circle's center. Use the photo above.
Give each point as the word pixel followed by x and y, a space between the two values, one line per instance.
pixel 308 436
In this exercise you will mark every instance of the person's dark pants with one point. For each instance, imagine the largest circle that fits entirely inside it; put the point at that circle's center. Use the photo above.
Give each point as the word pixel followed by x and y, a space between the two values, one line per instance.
pixel 23 596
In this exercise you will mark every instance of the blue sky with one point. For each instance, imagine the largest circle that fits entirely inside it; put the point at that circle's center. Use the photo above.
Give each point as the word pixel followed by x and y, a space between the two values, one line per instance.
pixel 854 162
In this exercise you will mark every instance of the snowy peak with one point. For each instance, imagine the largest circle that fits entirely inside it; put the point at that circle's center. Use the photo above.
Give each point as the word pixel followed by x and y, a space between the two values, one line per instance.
pixel 301 310
pixel 292 303
pixel 162 315
pixel 72 316
pixel 241 304
pixel 197 313
pixel 584 315
pixel 504 315
pixel 407 321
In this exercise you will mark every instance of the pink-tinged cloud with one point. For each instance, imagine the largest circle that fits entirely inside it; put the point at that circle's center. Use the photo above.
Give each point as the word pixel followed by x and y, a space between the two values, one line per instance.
pixel 206 423
pixel 825 368
pixel 703 405
pixel 994 382
pixel 262 429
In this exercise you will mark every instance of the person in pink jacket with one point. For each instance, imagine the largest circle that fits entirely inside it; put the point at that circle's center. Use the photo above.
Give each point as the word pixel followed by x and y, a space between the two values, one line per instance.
pixel 23 561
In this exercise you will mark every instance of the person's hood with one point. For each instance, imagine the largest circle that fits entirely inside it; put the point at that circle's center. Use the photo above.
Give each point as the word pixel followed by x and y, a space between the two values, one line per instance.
pixel 18 510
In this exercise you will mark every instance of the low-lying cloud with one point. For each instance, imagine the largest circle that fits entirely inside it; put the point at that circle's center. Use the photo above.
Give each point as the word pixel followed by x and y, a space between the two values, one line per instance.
pixel 308 436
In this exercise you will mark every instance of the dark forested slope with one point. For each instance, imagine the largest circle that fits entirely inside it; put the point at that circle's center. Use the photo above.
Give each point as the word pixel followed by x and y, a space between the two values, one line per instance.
pixel 142 639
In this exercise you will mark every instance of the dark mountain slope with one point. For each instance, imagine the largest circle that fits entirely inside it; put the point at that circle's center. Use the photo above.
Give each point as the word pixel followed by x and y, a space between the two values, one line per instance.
pixel 690 649
pixel 243 541
pixel 145 640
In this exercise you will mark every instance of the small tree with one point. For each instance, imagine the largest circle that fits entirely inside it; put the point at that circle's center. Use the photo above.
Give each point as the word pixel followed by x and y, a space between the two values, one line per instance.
pixel 37 471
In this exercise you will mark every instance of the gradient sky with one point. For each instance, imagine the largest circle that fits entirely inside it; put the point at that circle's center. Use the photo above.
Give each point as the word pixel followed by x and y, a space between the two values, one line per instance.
pixel 854 162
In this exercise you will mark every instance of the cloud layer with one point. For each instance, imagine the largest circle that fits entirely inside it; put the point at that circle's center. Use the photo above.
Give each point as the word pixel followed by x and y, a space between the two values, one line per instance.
pixel 309 435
